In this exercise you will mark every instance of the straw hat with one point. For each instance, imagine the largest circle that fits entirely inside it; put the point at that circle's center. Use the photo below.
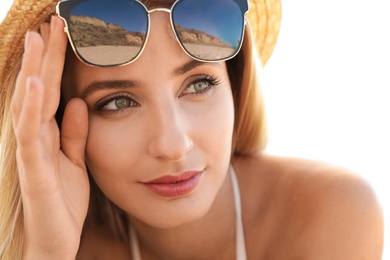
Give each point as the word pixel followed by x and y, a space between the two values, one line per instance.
pixel 264 17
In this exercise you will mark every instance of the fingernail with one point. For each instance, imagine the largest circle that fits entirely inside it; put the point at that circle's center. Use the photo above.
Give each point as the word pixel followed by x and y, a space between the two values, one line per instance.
pixel 26 39
pixel 53 22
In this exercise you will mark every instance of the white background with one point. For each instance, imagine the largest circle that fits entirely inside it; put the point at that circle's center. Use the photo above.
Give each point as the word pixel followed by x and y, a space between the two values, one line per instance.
pixel 327 88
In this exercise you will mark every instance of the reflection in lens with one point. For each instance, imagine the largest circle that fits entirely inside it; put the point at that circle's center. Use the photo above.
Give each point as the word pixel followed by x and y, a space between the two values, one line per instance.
pixel 209 29
pixel 106 33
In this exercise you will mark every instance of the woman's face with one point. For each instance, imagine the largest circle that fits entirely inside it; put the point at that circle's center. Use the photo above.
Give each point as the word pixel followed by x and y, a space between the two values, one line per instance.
pixel 162 115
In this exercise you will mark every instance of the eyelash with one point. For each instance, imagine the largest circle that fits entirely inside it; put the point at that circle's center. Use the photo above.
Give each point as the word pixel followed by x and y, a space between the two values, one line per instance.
pixel 211 82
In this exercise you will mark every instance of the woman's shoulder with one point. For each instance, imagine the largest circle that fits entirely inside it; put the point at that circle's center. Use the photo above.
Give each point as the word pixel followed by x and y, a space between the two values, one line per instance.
pixel 311 209
pixel 289 179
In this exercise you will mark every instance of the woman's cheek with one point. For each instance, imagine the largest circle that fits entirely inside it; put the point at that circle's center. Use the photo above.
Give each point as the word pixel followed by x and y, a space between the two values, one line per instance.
pixel 109 147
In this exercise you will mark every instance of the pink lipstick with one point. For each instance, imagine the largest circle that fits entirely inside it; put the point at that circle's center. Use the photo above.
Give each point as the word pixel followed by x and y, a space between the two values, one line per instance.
pixel 174 185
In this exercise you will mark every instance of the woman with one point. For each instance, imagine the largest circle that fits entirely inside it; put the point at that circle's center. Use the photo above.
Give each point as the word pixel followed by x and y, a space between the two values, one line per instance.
pixel 159 153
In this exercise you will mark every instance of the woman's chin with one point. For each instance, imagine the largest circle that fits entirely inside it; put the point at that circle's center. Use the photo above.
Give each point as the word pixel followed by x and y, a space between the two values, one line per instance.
pixel 190 211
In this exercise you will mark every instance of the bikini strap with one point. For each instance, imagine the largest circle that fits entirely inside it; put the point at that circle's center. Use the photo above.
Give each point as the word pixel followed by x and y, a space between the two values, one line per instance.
pixel 240 237
pixel 134 245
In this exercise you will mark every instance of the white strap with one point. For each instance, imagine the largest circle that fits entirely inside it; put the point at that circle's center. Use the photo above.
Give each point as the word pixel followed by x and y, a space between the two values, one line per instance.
pixel 240 237
pixel 134 246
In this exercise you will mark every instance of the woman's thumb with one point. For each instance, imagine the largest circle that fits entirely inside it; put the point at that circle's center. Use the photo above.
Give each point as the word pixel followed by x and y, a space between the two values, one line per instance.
pixel 74 131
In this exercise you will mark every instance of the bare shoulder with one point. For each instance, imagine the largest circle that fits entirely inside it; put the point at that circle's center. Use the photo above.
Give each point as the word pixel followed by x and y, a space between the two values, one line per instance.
pixel 308 209
pixel 98 242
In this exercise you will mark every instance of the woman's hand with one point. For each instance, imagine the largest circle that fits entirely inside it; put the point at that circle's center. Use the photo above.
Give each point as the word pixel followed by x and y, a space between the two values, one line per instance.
pixel 52 172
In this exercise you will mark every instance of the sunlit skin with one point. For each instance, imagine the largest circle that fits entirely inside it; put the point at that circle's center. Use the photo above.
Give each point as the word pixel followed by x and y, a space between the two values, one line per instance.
pixel 292 209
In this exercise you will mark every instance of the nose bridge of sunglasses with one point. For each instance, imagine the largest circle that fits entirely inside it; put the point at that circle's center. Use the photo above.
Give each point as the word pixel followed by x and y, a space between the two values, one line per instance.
pixel 166 10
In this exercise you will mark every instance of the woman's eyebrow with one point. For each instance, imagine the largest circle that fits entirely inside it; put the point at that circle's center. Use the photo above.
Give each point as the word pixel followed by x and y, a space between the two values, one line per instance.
pixel 125 84
pixel 107 84
pixel 190 66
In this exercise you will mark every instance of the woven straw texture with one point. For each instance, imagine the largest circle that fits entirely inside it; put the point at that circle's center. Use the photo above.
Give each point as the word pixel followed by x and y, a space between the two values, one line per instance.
pixel 24 15
pixel 264 17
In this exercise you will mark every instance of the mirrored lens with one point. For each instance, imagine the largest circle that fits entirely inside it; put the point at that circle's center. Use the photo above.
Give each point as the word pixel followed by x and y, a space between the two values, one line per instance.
pixel 108 33
pixel 209 29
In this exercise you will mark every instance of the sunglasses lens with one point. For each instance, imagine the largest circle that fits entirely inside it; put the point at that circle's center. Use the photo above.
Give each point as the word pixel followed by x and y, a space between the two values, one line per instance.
pixel 108 33
pixel 209 29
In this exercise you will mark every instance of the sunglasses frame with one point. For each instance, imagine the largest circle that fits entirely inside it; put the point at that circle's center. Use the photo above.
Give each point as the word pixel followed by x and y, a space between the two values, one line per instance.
pixel 243 4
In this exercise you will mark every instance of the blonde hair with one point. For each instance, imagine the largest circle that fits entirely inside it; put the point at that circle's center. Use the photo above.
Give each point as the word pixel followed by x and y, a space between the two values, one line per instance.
pixel 11 206
pixel 250 129
pixel 249 138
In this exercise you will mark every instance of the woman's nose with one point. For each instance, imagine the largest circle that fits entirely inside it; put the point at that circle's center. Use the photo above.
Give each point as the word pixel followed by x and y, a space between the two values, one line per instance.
pixel 170 138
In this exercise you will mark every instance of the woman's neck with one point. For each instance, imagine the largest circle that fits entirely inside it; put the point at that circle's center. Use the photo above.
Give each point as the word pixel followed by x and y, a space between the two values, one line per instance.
pixel 205 238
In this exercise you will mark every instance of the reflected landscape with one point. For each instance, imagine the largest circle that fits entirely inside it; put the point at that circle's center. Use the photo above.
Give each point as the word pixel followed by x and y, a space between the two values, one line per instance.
pixel 105 43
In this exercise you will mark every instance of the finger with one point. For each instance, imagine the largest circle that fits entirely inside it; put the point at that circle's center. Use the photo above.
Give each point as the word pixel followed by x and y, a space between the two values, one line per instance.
pixel 45 33
pixel 31 65
pixel 28 128
pixel 52 66
pixel 74 131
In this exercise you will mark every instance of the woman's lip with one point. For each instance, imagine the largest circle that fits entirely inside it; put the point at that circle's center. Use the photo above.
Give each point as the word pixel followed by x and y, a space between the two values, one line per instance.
pixel 172 179
pixel 174 185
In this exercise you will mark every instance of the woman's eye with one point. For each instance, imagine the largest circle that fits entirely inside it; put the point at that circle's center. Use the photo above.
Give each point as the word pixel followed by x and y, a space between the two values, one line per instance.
pixel 196 87
pixel 117 103
pixel 122 102
pixel 201 86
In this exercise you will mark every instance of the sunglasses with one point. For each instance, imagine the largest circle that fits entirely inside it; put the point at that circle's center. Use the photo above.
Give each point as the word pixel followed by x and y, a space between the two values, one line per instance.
pixel 107 33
